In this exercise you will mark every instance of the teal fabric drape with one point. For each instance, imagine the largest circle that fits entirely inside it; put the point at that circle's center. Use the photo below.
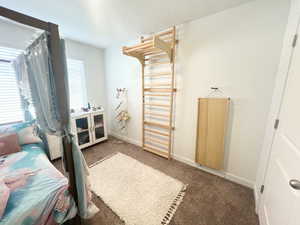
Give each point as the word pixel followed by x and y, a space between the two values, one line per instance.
pixel 51 118
pixel 42 85
pixel 86 208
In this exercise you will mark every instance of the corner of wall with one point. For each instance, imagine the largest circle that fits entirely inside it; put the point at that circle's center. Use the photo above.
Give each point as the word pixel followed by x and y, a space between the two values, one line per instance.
pixel 126 139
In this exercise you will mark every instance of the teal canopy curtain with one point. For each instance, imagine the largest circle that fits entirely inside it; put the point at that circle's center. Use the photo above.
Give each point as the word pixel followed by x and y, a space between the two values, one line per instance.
pixel 50 117
pixel 42 85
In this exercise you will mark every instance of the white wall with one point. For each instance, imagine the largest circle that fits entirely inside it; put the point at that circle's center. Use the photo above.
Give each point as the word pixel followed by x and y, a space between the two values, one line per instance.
pixel 18 36
pixel 123 72
pixel 237 50
pixel 13 35
pixel 93 59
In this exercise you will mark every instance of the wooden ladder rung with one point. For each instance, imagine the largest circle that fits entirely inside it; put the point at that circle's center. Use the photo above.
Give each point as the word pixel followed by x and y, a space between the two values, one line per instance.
pixel 138 46
pixel 157 57
pixel 157 114
pixel 158 85
pixel 157 63
pixel 156 151
pixel 162 119
pixel 156 141
pixel 156 132
pixel 154 52
pixel 159 74
pixel 160 90
pixel 156 95
pixel 164 126
pixel 145 50
pixel 157 105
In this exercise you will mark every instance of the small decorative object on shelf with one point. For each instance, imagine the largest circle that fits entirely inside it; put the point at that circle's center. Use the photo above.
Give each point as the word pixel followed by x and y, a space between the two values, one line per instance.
pixel 95 108
pixel 85 109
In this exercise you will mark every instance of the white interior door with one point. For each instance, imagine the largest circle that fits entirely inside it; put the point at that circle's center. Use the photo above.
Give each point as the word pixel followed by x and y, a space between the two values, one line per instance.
pixel 281 197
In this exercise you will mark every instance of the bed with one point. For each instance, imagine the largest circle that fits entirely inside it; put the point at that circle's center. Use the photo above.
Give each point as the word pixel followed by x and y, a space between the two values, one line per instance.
pixel 39 194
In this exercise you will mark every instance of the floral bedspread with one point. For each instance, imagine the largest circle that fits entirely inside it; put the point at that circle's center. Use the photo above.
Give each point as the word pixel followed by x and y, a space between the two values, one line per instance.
pixel 38 192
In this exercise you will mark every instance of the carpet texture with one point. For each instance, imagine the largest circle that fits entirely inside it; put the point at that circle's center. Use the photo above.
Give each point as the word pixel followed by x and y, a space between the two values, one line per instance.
pixel 209 199
pixel 138 194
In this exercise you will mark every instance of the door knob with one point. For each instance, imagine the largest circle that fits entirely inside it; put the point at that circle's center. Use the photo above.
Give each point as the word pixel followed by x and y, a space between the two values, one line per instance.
pixel 295 184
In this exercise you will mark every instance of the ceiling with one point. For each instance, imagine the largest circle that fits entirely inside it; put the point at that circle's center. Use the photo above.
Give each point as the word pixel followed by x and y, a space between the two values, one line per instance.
pixel 102 22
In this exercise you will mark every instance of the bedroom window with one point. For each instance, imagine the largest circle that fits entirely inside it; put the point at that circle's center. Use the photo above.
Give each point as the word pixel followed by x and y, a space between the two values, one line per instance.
pixel 77 87
pixel 10 102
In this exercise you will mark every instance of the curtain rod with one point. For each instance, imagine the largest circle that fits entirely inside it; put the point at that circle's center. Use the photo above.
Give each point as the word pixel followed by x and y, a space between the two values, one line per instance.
pixel 24 19
pixel 4 60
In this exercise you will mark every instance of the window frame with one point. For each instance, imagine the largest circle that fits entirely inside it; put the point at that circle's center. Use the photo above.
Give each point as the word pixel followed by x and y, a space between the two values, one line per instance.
pixel 7 54
pixel 82 79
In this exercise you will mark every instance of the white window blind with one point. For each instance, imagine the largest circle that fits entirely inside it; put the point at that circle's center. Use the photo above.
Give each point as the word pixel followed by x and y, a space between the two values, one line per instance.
pixel 77 87
pixel 10 102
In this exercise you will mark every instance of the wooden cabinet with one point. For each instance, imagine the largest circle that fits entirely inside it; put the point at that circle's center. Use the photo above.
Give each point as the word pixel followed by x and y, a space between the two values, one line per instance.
pixel 89 128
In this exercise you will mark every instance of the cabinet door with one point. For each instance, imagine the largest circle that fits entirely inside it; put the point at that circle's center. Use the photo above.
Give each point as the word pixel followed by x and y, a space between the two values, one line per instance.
pixel 83 131
pixel 99 127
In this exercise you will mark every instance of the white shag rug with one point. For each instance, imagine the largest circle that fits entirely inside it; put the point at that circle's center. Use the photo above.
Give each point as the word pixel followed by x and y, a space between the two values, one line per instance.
pixel 137 193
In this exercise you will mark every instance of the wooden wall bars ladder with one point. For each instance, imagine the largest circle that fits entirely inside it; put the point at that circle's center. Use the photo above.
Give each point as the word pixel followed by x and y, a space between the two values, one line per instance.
pixel 157 57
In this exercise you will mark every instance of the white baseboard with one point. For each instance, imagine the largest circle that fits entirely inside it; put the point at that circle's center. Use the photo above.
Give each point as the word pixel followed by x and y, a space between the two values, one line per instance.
pixel 256 198
pixel 126 139
pixel 239 180
pixel 226 175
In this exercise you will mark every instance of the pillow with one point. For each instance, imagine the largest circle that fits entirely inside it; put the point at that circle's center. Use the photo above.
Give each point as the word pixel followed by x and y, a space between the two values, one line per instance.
pixel 9 144
pixel 14 128
pixel 28 135
pixel 4 195
pixel 19 126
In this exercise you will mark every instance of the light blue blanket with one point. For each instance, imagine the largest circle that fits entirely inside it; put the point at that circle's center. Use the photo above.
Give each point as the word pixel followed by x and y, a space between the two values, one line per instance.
pixel 38 192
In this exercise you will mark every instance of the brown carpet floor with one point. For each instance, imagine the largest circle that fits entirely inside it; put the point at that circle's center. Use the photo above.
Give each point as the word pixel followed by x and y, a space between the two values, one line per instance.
pixel 209 200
